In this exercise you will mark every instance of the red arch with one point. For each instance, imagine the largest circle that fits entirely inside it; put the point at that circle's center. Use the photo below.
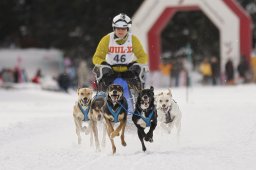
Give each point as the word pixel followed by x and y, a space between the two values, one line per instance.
pixel 154 43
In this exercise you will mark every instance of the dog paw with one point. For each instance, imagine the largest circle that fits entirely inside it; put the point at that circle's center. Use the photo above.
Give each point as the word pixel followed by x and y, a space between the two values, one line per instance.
pixel 87 131
pixel 84 129
pixel 150 140
pixel 142 123
pixel 113 134
pixel 149 137
pixel 144 149
pixel 113 150
pixel 124 143
pixel 98 150
pixel 146 138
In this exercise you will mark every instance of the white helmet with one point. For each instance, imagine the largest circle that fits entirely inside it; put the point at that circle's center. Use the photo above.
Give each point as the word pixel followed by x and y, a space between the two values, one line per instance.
pixel 122 21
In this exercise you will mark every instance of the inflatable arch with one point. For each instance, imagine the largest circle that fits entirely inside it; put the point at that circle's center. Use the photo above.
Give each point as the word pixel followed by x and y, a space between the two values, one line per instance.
pixel 232 21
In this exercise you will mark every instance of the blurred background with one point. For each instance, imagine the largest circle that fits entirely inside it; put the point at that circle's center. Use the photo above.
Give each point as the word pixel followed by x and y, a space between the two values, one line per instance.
pixel 51 44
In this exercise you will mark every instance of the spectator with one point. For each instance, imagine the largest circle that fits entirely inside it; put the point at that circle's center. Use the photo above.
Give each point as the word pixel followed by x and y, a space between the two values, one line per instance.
pixel 17 74
pixel 37 78
pixel 215 70
pixel 229 72
pixel 1 80
pixel 253 65
pixel 206 71
pixel 176 69
pixel 7 76
pixel 82 74
pixel 165 68
pixel 64 81
pixel 243 68
pixel 24 75
pixel 71 71
pixel 188 68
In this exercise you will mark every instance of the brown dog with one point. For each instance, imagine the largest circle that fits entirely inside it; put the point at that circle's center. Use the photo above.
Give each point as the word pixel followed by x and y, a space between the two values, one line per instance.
pixel 88 109
pixel 115 111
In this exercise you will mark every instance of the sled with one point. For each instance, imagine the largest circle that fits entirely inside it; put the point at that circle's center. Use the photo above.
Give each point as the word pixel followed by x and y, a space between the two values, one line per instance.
pixel 130 89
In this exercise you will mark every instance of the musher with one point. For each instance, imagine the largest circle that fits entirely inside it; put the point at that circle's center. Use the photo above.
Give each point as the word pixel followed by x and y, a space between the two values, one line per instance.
pixel 120 54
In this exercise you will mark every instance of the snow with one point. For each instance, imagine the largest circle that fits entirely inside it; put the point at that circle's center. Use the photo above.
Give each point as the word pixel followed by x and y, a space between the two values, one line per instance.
pixel 37 132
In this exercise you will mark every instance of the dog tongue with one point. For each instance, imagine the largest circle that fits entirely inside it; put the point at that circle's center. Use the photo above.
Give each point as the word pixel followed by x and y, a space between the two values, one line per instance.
pixel 85 101
pixel 115 97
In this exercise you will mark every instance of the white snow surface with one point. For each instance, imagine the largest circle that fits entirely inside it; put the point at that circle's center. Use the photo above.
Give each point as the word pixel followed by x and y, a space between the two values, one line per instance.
pixel 37 132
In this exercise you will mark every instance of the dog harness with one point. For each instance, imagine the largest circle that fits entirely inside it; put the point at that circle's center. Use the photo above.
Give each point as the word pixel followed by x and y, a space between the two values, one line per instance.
pixel 116 113
pixel 99 95
pixel 168 117
pixel 84 111
pixel 147 120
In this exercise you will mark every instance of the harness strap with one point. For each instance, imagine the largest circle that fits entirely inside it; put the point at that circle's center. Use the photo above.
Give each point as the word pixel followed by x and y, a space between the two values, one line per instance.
pixel 147 120
pixel 168 117
pixel 84 111
pixel 116 113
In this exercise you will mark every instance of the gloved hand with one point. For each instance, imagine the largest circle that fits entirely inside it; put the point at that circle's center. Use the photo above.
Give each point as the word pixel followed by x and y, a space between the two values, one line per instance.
pixel 130 64
pixel 135 69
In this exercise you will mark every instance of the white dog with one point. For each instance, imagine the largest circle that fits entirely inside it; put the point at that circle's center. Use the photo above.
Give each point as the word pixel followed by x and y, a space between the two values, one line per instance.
pixel 169 114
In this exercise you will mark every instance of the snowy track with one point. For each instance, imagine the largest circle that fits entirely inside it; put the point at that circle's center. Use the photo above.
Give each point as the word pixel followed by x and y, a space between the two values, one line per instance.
pixel 218 132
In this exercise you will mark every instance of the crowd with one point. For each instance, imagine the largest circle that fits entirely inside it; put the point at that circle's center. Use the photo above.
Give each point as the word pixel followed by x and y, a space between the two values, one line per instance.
pixel 75 74
pixel 175 73
pixel 178 72
pixel 240 74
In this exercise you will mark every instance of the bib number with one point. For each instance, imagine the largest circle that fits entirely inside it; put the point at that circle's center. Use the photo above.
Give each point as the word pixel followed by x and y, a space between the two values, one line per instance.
pixel 120 58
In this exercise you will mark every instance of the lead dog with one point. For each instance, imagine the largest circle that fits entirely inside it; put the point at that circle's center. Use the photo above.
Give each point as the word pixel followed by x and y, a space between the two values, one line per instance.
pixel 88 109
pixel 169 114
pixel 145 115
pixel 115 111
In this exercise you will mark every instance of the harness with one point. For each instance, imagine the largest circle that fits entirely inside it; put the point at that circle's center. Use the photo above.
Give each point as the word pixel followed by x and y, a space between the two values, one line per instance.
pixel 84 111
pixel 168 118
pixel 99 95
pixel 147 120
pixel 116 113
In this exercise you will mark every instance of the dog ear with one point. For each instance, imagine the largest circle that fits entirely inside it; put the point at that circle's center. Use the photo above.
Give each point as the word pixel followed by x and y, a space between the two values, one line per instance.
pixel 139 94
pixel 77 91
pixel 108 88
pixel 169 92
pixel 160 94
pixel 122 89
pixel 152 88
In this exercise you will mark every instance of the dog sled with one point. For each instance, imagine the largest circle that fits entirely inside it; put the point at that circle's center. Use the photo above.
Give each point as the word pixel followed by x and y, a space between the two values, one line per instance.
pixel 131 84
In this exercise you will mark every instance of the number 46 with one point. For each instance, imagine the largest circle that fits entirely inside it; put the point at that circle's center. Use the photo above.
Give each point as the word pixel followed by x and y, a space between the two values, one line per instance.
pixel 118 58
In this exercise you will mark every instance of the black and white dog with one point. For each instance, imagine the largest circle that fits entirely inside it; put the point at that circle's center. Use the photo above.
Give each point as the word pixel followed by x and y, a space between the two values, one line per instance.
pixel 145 115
